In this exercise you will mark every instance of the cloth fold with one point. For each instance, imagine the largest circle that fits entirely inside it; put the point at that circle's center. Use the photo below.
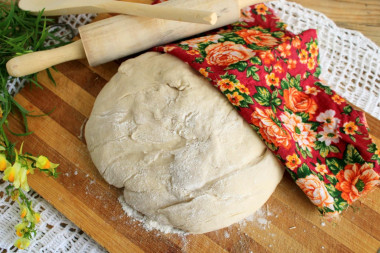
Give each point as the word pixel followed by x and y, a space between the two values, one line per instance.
pixel 271 77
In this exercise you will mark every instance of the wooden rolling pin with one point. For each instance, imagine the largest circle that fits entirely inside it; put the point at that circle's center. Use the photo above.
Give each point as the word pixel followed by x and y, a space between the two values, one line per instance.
pixel 123 35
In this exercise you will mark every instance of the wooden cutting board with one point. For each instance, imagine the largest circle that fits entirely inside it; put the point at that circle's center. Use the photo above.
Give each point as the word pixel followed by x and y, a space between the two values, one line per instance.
pixel 288 222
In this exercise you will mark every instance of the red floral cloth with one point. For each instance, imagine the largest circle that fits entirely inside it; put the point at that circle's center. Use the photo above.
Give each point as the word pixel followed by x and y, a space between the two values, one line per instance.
pixel 271 77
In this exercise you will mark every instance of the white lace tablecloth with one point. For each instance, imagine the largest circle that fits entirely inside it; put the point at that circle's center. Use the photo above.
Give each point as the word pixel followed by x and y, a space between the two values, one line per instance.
pixel 350 65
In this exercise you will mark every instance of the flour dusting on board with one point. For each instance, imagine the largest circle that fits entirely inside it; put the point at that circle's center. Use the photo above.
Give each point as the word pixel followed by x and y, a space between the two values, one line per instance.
pixel 259 219
pixel 148 224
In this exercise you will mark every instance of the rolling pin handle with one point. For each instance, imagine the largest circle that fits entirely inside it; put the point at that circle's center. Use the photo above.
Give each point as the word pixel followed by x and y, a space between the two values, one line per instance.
pixel 37 61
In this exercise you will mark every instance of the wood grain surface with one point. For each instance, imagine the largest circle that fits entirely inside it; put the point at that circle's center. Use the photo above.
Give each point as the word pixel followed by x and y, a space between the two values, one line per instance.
pixel 360 15
pixel 288 222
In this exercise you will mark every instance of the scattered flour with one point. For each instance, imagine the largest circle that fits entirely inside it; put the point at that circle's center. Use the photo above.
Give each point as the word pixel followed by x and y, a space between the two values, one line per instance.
pixel 147 224
pixel 226 234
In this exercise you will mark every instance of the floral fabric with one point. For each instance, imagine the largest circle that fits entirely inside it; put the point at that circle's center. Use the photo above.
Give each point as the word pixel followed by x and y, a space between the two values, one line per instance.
pixel 271 77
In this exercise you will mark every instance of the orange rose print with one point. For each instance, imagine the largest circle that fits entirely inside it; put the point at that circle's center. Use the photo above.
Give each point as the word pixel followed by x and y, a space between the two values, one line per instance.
pixel 194 42
pixel 226 84
pixel 298 101
pixel 261 9
pixel 316 191
pixel 356 180
pixel 227 53
pixel 292 161
pixel 272 80
pixel 269 130
pixel 266 56
pixel 235 98
pixel 256 37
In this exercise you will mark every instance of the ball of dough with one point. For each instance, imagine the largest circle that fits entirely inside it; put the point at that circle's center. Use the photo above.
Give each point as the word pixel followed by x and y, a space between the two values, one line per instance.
pixel 183 154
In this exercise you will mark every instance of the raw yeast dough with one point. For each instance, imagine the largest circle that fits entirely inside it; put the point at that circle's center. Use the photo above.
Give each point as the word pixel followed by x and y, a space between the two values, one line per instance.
pixel 182 153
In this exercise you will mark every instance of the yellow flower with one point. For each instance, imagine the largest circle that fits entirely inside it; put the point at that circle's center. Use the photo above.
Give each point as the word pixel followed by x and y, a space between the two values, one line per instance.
pixel 16 174
pixel 23 211
pixel 44 164
pixel 21 229
pixel 37 217
pixel 272 79
pixel 292 161
pixel 304 56
pixel 313 49
pixel 226 84
pixel 22 243
pixel 310 63
pixel 261 9
pixel 235 98
pixel 337 99
pixel 4 164
pixel 11 173
pixel 350 128
pixel 203 72
pixel 243 89
pixel 321 168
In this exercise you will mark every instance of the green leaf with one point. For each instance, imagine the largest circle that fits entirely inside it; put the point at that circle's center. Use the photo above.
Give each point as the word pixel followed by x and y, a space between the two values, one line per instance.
pixel 292 174
pixel 303 171
pixel 333 191
pixel 324 151
pixel 303 115
pixel 320 177
pixel 309 153
pixel 284 84
pixel 335 165
pixel 277 101
pixel 263 96
pixel 372 148
pixel 351 155
pixel 334 149
pixel 199 60
pixel 352 138
pixel 248 99
pixel 278 34
pixel 251 72
pixel 184 46
pixel 332 179
pixel 317 72
pixel 202 47
pixel 347 110
pixel 232 37
pixel 314 125
pixel 325 88
pixel 232 78
pixel 256 60
pixel 343 205
pixel 240 66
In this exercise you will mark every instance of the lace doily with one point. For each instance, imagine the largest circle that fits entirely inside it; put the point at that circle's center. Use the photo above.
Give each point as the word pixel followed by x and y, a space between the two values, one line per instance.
pixel 350 64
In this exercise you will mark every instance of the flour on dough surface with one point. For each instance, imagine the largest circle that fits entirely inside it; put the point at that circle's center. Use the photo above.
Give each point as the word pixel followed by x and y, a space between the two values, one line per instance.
pixel 183 154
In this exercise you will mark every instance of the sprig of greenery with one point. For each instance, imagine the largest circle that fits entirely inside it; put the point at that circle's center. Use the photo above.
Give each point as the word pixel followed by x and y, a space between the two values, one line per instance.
pixel 21 33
